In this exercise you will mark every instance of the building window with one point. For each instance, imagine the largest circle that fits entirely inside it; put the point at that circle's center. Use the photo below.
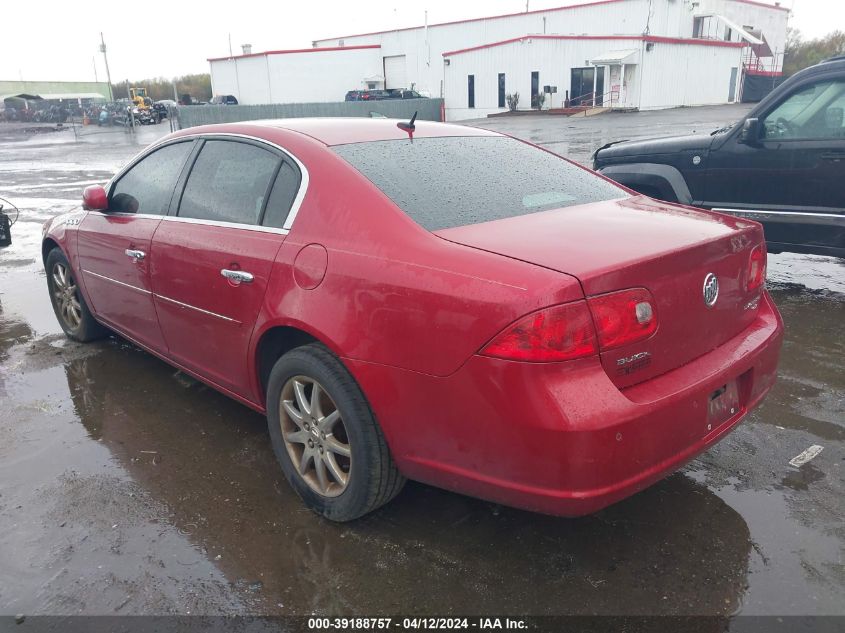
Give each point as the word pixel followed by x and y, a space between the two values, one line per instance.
pixel 471 91
pixel 697 24
pixel 501 90
pixel 535 88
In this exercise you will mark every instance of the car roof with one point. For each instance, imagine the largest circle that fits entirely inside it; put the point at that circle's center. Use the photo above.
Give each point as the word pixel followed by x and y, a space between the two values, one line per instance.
pixel 825 66
pixel 341 131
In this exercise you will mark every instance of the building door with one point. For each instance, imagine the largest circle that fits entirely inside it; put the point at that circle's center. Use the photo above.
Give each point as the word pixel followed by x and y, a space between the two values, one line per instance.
pixel 581 84
pixel 470 91
pixel 394 72
pixel 535 87
pixel 732 86
pixel 501 90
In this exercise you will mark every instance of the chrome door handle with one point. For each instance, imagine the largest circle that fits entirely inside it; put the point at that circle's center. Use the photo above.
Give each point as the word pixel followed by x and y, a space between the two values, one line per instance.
pixel 135 254
pixel 237 275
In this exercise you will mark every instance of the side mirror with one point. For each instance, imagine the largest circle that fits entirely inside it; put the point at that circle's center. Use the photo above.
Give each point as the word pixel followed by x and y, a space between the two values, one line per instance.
pixel 94 198
pixel 750 134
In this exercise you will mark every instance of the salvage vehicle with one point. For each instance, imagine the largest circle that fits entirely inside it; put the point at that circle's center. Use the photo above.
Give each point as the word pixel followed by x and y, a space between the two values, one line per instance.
pixel 782 165
pixel 366 95
pixel 224 100
pixel 427 301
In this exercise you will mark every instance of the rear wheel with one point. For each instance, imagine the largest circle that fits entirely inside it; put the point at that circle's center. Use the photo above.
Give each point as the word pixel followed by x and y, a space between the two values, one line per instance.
pixel 326 438
pixel 68 303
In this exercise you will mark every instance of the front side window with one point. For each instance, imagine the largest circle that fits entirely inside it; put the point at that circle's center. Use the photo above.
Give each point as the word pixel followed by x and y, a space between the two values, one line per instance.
pixel 229 182
pixel 456 181
pixel 148 186
pixel 813 112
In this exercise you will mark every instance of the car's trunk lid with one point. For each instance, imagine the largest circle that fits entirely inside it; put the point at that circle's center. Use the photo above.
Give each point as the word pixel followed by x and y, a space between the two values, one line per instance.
pixel 638 242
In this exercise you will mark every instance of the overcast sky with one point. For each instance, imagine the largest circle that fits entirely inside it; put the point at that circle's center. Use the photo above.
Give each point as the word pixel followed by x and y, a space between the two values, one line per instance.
pixel 51 40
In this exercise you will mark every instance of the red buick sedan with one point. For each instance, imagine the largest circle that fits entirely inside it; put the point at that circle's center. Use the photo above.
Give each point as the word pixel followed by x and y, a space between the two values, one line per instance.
pixel 441 303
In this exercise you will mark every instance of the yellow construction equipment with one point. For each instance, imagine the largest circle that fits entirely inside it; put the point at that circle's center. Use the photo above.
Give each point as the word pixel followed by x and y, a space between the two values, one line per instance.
pixel 139 97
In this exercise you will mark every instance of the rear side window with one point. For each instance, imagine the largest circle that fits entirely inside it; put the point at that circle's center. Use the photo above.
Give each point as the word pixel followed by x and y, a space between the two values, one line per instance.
pixel 148 186
pixel 282 196
pixel 229 182
pixel 456 181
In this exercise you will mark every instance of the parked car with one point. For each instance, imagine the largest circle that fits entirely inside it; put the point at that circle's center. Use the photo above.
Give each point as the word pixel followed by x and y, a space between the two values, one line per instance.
pixel 160 109
pixel 223 100
pixel 544 340
pixel 781 165
pixel 187 99
pixel 404 94
pixel 366 95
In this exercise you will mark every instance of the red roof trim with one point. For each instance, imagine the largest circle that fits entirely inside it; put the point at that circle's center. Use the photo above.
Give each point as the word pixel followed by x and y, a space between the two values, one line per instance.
pixel 638 38
pixel 488 17
pixel 299 50
pixel 764 73
pixel 763 4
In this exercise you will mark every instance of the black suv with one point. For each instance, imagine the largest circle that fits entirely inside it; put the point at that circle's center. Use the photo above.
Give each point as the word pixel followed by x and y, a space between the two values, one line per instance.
pixel 782 165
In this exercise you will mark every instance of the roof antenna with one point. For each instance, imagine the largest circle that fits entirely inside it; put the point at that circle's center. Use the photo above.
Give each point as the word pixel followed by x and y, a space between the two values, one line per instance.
pixel 408 127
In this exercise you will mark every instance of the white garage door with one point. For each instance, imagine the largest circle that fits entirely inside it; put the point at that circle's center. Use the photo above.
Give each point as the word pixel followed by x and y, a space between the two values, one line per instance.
pixel 394 72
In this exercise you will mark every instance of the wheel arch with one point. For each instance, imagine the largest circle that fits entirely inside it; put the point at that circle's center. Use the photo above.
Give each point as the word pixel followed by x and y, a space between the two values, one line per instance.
pixel 47 245
pixel 274 341
pixel 647 178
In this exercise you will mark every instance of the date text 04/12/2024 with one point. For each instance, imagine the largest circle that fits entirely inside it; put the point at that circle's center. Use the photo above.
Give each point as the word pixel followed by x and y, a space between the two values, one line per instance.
pixel 431 623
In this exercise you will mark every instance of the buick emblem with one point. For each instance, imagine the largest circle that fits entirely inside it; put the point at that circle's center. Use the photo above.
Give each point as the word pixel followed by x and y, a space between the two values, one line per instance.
pixel 711 290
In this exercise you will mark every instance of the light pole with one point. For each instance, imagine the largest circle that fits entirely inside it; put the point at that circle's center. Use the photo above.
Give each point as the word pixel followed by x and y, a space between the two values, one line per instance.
pixel 106 59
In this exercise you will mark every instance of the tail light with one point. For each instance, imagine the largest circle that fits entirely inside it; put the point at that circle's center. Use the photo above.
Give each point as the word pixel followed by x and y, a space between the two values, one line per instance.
pixel 623 317
pixel 757 267
pixel 554 334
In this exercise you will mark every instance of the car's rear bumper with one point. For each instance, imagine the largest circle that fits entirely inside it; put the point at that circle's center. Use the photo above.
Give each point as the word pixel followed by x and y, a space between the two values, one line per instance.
pixel 560 438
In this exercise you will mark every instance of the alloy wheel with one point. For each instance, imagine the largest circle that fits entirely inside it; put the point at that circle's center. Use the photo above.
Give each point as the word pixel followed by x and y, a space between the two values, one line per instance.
pixel 315 436
pixel 66 294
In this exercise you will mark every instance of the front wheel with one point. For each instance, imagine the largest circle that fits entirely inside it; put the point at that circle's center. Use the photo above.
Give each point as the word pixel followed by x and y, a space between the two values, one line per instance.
pixel 68 303
pixel 326 438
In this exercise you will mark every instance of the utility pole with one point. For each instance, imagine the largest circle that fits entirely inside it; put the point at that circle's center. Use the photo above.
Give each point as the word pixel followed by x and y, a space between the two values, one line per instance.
pixel 106 59
pixel 235 63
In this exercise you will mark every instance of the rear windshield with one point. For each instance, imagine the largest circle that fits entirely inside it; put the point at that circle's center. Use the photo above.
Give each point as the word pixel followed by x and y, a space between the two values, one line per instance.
pixel 455 181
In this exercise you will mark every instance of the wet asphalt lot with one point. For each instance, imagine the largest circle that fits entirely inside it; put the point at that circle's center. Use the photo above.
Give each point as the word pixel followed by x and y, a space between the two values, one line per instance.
pixel 128 488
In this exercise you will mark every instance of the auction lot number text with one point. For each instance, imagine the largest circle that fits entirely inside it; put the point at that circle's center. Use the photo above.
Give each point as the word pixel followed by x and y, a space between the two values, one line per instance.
pixel 414 624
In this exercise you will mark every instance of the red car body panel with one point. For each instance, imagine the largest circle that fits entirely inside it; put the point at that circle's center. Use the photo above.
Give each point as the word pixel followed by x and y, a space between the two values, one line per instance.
pixel 113 278
pixel 408 311
pixel 634 242
pixel 572 442
pixel 213 335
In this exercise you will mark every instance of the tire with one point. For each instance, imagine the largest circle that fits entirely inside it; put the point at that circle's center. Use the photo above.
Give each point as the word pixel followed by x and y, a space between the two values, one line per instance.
pixel 68 303
pixel 372 478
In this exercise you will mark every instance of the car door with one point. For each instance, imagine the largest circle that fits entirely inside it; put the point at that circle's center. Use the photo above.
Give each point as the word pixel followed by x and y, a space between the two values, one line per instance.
pixel 791 178
pixel 114 246
pixel 214 256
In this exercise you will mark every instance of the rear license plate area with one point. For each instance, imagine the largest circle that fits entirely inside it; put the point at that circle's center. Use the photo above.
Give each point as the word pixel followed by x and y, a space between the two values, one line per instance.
pixel 723 404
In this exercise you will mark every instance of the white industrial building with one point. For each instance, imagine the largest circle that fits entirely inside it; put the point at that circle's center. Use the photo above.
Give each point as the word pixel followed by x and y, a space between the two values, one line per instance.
pixel 641 54
pixel 310 75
